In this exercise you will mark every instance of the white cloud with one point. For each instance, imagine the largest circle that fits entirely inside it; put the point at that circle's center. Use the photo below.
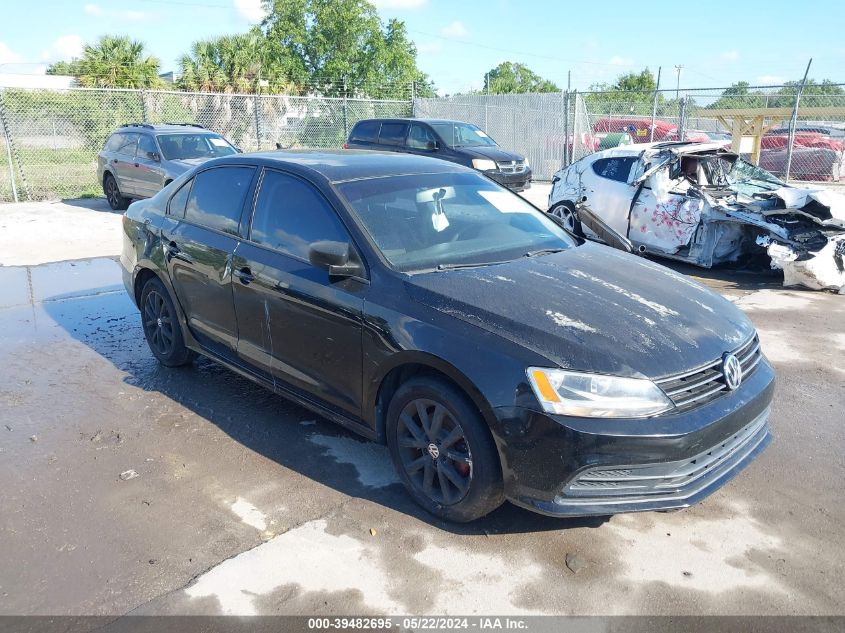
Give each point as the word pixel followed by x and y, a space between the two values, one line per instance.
pixel 7 55
pixel 730 56
pixel 399 4
pixel 133 16
pixel 93 9
pixel 251 10
pixel 770 80
pixel 617 60
pixel 64 49
pixel 455 29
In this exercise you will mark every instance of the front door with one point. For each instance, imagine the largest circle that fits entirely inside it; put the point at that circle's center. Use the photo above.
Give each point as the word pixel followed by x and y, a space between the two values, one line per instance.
pixel 608 193
pixel 294 321
pixel 149 176
pixel 199 247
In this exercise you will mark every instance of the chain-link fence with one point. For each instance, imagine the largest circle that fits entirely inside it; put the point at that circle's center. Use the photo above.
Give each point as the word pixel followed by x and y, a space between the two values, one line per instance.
pixel 553 130
pixel 49 139
pixel 53 136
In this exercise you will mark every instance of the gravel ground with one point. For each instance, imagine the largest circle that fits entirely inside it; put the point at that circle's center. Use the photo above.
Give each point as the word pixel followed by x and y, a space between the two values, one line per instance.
pixel 126 487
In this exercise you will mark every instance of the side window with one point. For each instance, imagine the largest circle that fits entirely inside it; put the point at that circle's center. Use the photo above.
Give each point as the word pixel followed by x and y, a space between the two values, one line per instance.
pixel 614 168
pixel 365 132
pixel 115 141
pixel 127 145
pixel 392 133
pixel 217 197
pixel 290 214
pixel 146 146
pixel 419 137
pixel 179 200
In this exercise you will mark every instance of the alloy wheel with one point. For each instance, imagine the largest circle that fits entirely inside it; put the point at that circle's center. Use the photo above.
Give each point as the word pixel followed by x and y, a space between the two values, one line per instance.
pixel 158 323
pixel 434 451
pixel 112 193
pixel 566 214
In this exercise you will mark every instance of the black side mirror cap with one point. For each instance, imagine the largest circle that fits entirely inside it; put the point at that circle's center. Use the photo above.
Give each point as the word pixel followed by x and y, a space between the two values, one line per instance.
pixel 154 156
pixel 334 257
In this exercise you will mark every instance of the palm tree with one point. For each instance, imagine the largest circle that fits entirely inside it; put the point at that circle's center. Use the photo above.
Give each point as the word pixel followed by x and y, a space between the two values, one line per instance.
pixel 118 62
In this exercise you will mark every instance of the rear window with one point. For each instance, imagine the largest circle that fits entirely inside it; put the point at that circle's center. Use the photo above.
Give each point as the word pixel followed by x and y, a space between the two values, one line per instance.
pixel 614 168
pixel 365 131
pixel 393 133
pixel 217 198
pixel 115 141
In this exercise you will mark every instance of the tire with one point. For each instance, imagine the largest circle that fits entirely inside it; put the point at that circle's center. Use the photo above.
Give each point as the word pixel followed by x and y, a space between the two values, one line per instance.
pixel 113 195
pixel 454 479
pixel 566 211
pixel 161 327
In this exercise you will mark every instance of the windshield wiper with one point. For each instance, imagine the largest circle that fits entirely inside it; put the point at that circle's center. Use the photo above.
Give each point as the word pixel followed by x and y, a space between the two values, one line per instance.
pixel 544 251
pixel 469 265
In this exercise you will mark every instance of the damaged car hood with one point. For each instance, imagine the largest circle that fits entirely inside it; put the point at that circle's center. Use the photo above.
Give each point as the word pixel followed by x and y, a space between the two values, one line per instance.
pixel 592 307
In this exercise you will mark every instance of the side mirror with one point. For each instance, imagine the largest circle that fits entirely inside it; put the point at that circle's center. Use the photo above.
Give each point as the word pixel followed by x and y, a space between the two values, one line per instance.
pixel 240 151
pixel 334 257
pixel 154 156
pixel 432 146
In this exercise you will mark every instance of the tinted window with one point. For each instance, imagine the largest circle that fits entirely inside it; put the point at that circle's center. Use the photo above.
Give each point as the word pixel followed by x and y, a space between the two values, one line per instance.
pixel 115 141
pixel 393 133
pixel 365 131
pixel 127 144
pixel 217 197
pixel 462 134
pixel 146 145
pixel 187 146
pixel 419 137
pixel 177 203
pixel 290 214
pixel 614 168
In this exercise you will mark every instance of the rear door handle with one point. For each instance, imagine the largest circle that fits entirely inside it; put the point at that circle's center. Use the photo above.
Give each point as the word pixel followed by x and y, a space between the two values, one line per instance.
pixel 175 252
pixel 245 275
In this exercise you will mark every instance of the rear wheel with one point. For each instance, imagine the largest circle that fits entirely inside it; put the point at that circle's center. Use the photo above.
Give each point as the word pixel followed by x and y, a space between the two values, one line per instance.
pixel 566 212
pixel 113 195
pixel 443 450
pixel 161 326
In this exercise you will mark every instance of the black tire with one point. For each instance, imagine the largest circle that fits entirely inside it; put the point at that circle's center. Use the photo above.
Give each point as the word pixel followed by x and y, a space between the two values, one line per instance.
pixel 565 210
pixel 113 195
pixel 161 327
pixel 430 474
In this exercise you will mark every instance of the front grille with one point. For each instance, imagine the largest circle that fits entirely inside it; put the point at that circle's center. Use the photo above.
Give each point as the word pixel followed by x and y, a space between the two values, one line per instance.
pixel 511 166
pixel 695 387
pixel 671 477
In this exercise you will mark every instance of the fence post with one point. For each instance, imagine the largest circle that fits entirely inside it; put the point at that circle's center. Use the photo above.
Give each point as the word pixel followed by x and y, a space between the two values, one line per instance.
pixel 257 122
pixel 345 113
pixel 143 95
pixel 8 152
pixel 654 106
pixel 566 128
pixel 413 98
pixel 793 120
pixel 682 115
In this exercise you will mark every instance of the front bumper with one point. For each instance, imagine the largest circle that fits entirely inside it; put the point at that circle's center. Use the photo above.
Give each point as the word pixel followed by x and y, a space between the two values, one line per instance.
pixel 580 467
pixel 514 181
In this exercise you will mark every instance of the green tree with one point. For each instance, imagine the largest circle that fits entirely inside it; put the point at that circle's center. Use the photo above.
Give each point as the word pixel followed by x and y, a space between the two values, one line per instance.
pixel 70 68
pixel 643 81
pixel 118 62
pixel 340 47
pixel 511 77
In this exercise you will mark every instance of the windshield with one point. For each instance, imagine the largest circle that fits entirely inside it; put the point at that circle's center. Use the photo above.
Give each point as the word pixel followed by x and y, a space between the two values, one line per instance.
pixel 186 146
pixel 750 179
pixel 439 221
pixel 462 135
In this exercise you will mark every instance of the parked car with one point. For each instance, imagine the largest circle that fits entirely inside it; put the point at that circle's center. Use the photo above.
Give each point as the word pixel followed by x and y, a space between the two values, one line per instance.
pixel 818 152
pixel 704 205
pixel 455 141
pixel 418 303
pixel 138 159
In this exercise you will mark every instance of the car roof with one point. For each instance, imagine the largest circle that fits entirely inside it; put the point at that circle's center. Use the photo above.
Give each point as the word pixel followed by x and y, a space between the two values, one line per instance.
pixel 678 147
pixel 413 120
pixel 186 128
pixel 344 165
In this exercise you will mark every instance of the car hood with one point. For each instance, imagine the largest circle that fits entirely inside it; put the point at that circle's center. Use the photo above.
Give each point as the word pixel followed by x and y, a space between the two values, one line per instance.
pixel 592 308
pixel 489 151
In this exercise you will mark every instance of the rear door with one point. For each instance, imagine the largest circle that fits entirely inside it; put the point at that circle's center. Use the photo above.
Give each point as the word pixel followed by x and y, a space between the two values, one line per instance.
pixel 123 163
pixel 148 172
pixel 609 196
pixel 392 136
pixel 200 237
pixel 420 138
pixel 296 323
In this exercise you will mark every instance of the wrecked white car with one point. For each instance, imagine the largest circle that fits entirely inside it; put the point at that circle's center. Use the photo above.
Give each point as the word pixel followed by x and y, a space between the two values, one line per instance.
pixel 704 205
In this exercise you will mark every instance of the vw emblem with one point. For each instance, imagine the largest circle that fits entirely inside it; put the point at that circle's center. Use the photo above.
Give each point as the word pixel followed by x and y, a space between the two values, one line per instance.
pixel 433 451
pixel 732 371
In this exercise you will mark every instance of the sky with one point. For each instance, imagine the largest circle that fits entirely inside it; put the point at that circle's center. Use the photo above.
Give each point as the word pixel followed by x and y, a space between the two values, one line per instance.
pixel 716 43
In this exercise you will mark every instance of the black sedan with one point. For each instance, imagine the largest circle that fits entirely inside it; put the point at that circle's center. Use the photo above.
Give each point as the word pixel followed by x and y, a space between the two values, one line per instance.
pixel 420 304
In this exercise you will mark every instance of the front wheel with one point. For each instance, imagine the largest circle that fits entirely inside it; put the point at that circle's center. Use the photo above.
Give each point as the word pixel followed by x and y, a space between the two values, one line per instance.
pixel 566 212
pixel 161 326
pixel 443 450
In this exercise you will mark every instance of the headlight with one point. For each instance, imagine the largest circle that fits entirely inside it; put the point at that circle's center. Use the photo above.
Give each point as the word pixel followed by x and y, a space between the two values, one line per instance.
pixel 595 396
pixel 483 164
